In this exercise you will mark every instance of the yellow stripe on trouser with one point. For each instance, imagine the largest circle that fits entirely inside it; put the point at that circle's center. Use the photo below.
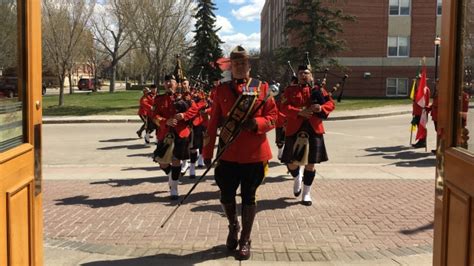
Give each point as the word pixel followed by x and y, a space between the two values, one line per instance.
pixel 265 171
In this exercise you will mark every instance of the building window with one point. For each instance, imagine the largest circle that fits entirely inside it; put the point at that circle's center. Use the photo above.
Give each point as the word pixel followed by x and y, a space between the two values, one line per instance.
pixel 439 7
pixel 397 87
pixel 398 46
pixel 399 7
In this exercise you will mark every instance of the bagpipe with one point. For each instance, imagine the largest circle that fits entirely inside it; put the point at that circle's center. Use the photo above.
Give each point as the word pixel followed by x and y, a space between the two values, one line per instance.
pixel 322 83
pixel 197 81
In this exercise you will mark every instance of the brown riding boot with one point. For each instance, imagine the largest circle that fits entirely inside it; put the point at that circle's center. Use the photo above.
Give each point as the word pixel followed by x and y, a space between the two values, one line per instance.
pixel 248 216
pixel 234 228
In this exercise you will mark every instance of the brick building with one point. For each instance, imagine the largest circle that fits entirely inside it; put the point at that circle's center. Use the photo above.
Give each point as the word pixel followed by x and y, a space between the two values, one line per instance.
pixel 384 45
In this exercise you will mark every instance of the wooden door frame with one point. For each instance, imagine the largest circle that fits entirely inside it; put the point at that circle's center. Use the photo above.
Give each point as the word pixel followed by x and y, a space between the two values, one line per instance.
pixel 35 98
pixel 30 67
pixel 448 153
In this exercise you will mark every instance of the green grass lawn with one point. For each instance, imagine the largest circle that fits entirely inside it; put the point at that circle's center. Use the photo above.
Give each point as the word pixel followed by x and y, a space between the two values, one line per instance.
pixel 93 103
pixel 358 103
pixel 126 103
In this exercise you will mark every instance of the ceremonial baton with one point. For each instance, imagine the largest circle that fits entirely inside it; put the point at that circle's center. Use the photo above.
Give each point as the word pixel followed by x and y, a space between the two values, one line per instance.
pixel 218 156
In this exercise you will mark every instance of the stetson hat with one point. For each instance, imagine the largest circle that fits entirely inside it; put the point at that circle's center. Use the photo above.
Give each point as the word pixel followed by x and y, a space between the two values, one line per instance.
pixel 239 53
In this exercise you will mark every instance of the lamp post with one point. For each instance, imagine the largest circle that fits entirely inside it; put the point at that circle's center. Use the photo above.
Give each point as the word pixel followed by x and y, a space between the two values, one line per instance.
pixel 437 42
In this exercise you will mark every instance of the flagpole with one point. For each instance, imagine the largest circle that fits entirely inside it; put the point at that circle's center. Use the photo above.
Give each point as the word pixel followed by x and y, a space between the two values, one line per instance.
pixel 411 134
pixel 426 138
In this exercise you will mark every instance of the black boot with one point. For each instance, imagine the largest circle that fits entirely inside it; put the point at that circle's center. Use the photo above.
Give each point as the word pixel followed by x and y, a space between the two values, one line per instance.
pixel 248 216
pixel 140 131
pixel 234 228
pixel 420 144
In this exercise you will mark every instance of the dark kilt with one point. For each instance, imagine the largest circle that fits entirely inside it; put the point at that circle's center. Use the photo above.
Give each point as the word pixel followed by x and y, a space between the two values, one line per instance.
pixel 197 137
pixel 317 149
pixel 150 125
pixel 181 147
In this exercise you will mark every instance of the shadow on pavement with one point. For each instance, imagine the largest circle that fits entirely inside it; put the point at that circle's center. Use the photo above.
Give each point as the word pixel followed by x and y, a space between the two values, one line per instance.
pixel 137 199
pixel 131 182
pixel 262 205
pixel 118 140
pixel 407 155
pixel 151 168
pixel 130 147
pixel 149 154
pixel 420 229
pixel 404 155
pixel 109 202
pixel 215 253
pixel 277 179
pixel 388 149
pixel 428 162
pixel 274 164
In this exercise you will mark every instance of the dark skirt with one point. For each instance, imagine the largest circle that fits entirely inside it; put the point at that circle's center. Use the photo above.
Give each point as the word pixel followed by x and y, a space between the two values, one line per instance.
pixel 180 151
pixel 197 137
pixel 317 149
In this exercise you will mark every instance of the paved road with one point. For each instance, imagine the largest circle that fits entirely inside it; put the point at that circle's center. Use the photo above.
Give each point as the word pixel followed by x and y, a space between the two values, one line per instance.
pixel 373 200
pixel 369 148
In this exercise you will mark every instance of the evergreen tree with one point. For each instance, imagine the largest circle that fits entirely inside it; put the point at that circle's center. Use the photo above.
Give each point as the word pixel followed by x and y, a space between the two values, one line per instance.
pixel 206 48
pixel 314 27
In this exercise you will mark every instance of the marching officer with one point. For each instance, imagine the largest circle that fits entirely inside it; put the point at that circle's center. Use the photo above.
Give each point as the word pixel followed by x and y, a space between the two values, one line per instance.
pixel 305 108
pixel 245 161
pixel 172 113
pixel 146 104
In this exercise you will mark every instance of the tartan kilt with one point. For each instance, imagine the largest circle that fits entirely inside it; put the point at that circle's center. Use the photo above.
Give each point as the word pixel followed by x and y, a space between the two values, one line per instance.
pixel 317 148
pixel 181 147
pixel 197 137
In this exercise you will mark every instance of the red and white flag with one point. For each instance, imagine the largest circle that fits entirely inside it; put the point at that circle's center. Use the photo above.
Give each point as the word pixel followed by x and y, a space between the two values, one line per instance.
pixel 422 99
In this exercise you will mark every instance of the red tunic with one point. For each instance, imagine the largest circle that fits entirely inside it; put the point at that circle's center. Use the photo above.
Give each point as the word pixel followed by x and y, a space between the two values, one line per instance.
pixel 146 104
pixel 165 109
pixel 294 99
pixel 248 147
pixel 281 121
pixel 200 118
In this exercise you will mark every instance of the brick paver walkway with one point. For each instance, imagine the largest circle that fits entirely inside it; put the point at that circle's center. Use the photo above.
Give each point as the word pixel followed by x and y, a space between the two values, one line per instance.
pixel 349 219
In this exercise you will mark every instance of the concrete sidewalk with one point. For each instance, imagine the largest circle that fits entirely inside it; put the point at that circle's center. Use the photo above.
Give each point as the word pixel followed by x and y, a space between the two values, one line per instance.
pixel 73 257
pixel 336 115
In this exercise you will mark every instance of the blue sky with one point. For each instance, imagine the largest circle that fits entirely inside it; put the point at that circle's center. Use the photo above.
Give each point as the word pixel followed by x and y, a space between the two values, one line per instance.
pixel 240 22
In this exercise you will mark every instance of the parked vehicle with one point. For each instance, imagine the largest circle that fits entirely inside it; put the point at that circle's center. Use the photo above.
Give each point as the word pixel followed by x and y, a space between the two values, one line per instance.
pixel 88 84
pixel 9 87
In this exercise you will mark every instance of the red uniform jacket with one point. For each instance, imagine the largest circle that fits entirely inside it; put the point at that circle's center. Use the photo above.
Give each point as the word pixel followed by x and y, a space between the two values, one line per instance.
pixel 248 147
pixel 294 99
pixel 201 117
pixel 281 121
pixel 146 104
pixel 164 109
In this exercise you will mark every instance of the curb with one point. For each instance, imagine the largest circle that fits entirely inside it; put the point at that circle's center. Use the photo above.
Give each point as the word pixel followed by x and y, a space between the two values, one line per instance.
pixel 221 252
pixel 51 120
pixel 48 120
pixel 348 117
